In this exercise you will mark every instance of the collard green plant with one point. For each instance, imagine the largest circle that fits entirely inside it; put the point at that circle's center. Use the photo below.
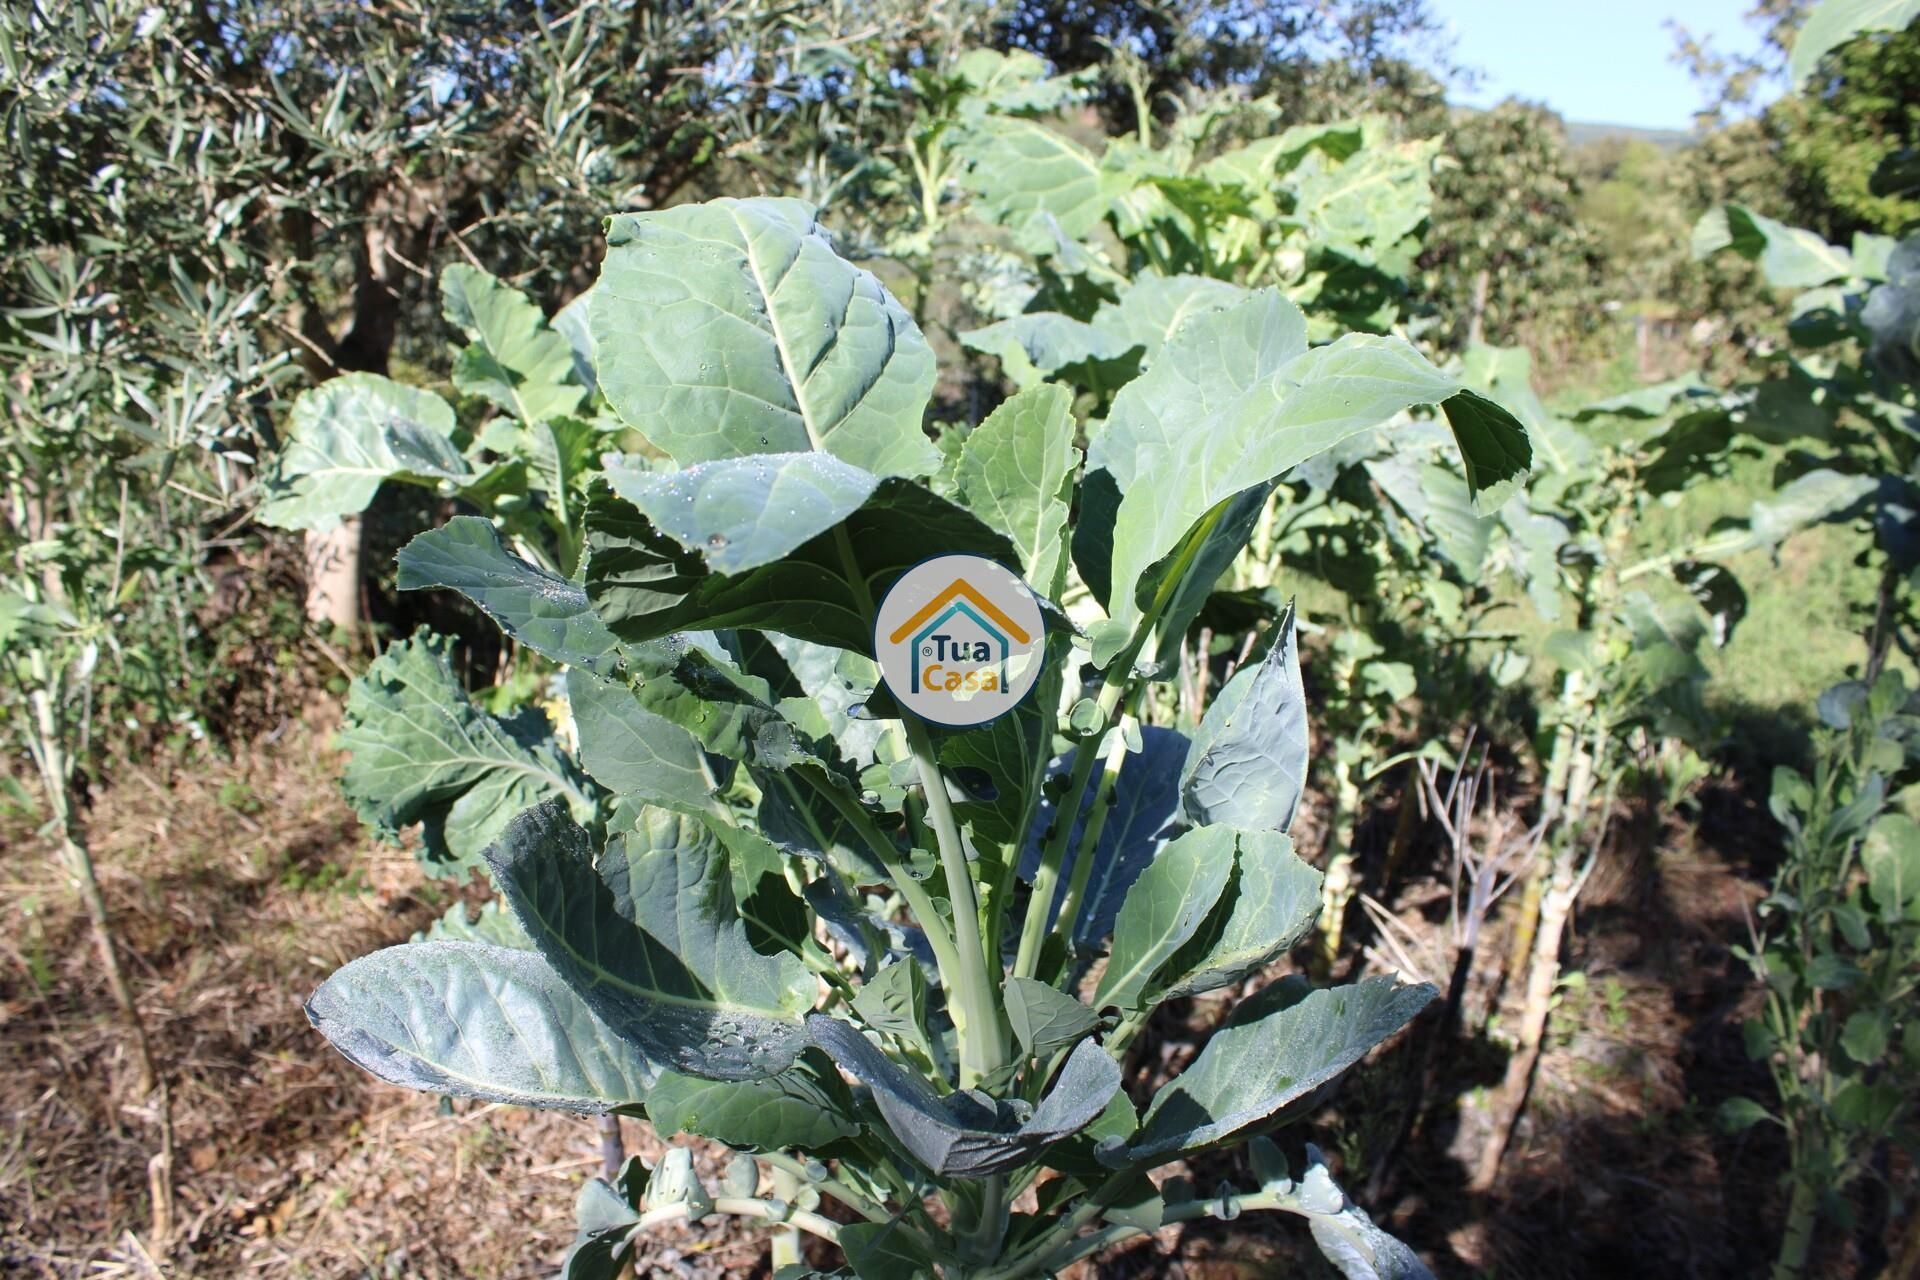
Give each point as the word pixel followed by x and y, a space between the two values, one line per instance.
pixel 780 913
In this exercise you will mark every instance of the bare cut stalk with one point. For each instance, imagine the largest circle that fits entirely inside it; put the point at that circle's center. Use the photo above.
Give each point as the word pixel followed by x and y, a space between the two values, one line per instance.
pixel 1543 976
pixel 333 577
pixel 1341 882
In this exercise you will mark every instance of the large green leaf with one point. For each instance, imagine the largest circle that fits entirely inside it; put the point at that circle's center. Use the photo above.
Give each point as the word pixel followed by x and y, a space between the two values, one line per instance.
pixel 1041 344
pixel 1809 499
pixel 477 1021
pixel 1145 814
pixel 512 357
pixel 1379 194
pixel 1494 448
pixel 1789 257
pixel 1247 764
pixel 1835 22
pixel 1045 1019
pixel 641 757
pixel 970 1134
pixel 349 434
pixel 1266 909
pixel 1165 907
pixel 732 327
pixel 1236 401
pixel 1151 309
pixel 1033 179
pixel 419 750
pixel 804 1108
pixel 1016 474
pixel 1438 503
pixel 741 513
pixel 1275 1051
pixel 651 939
pixel 646 584
pixel 541 610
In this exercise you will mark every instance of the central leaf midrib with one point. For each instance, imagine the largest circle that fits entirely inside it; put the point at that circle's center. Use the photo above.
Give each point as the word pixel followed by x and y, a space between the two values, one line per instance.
pixel 787 361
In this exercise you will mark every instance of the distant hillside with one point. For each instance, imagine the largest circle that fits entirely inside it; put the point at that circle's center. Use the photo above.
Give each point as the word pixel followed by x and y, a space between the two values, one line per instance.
pixel 1581 132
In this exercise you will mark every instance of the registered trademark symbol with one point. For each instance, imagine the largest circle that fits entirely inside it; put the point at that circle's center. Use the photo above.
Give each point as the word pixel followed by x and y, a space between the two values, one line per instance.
pixel 958 639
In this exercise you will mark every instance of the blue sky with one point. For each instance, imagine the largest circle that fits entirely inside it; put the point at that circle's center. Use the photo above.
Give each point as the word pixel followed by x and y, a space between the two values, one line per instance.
pixel 1607 61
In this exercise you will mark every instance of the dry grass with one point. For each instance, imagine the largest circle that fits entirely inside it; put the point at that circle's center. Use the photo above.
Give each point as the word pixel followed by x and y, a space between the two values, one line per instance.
pixel 238 887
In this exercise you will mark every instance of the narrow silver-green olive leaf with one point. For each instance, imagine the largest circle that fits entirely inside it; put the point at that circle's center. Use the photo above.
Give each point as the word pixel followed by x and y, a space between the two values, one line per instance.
pixel 1789 257
pixel 1033 179
pixel 512 357
pixel 419 750
pixel 1252 1069
pixel 741 513
pixel 1151 309
pixel 1165 907
pixel 1016 474
pixel 639 756
pixel 349 434
pixel 645 584
pixel 1144 816
pixel 1834 22
pixel 541 610
pixel 652 941
pixel 1247 764
pixel 1045 1019
pixel 1346 1235
pixel 795 348
pixel 477 1021
pixel 970 1134
pixel 803 1108
pixel 1267 908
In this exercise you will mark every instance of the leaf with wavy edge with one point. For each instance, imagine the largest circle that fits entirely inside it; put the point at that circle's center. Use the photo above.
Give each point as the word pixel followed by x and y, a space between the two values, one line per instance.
pixel 346 437
pixel 1266 909
pixel 649 935
pixel 741 513
pixel 540 609
pixel 1236 401
pixel 732 328
pixel 477 1021
pixel 421 751
pixel 513 357
pixel 1278 1048
pixel 1247 764
pixel 1163 909
pixel 969 1134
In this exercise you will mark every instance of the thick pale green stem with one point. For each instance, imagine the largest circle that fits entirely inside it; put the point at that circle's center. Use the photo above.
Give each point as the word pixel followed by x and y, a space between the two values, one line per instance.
pixel 1802 1217
pixel 983 1034
pixel 1118 680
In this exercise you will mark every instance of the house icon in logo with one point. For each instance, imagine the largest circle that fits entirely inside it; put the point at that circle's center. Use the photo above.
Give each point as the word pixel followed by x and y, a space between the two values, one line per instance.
pixel 960 600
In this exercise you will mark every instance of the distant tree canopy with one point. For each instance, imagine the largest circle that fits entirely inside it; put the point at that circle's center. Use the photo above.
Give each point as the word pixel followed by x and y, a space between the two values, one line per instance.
pixel 1508 255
